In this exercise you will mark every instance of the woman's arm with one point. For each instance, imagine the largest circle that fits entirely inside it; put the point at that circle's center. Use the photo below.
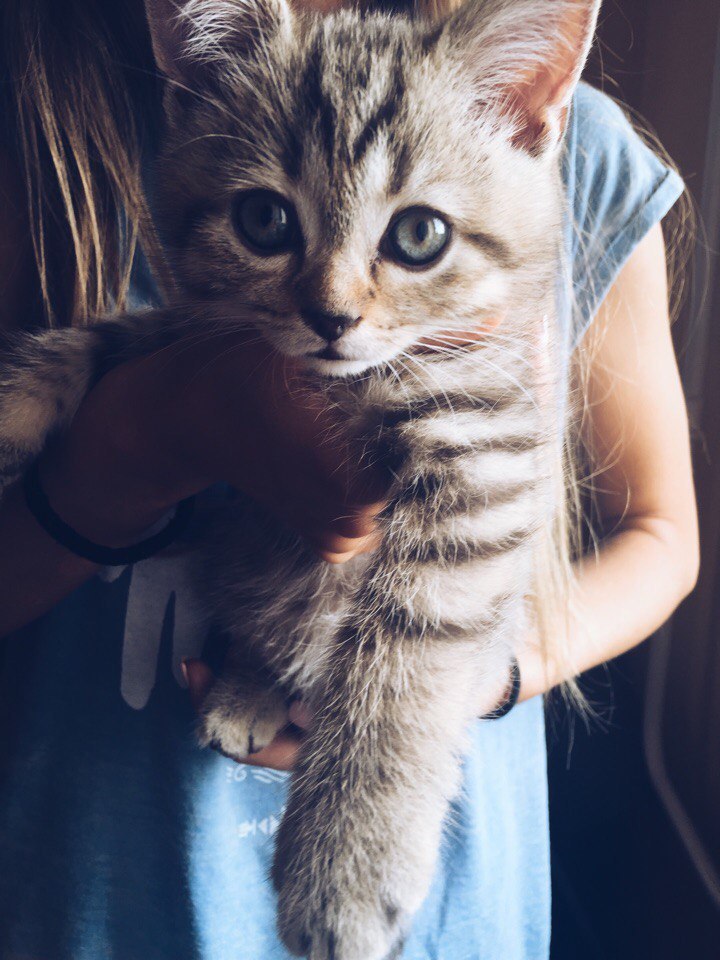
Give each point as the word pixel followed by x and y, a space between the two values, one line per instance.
pixel 638 429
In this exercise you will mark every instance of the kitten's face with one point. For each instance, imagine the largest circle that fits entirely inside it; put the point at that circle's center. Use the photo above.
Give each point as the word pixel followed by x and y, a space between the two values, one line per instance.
pixel 341 187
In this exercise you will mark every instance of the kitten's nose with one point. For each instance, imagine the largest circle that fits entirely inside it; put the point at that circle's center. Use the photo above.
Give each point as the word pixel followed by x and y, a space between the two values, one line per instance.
pixel 330 326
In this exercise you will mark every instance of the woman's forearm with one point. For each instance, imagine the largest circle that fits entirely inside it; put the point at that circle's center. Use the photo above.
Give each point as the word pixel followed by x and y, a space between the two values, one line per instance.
pixel 93 487
pixel 628 591
pixel 35 572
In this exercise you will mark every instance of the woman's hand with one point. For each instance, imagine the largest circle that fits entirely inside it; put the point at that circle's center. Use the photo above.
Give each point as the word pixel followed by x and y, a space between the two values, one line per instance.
pixel 165 426
pixel 162 427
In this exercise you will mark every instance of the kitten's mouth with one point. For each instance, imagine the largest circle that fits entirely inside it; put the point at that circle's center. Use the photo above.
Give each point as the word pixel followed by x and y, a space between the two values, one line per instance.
pixel 328 353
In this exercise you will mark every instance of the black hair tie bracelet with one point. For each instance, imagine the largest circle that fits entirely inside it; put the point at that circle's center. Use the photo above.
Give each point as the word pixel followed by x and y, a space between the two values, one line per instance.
pixel 39 506
pixel 513 695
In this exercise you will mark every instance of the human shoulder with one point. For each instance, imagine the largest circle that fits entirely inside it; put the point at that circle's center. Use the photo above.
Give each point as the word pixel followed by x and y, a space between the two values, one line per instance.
pixel 595 111
pixel 609 166
pixel 617 188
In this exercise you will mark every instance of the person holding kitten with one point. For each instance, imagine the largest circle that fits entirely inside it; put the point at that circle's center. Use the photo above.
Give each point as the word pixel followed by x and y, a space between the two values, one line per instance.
pixel 119 835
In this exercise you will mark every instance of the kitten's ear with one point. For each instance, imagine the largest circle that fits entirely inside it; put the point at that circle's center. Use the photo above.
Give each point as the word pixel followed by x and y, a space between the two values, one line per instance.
pixel 526 57
pixel 194 38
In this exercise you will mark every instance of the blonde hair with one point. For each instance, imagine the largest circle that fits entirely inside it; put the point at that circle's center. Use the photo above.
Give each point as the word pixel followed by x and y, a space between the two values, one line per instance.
pixel 77 76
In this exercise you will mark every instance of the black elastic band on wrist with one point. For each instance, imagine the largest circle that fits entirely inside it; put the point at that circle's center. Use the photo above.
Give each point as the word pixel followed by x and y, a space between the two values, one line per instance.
pixel 512 698
pixel 39 506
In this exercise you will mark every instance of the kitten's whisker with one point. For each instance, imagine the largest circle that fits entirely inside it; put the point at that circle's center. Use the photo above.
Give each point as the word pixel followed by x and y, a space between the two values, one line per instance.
pixel 419 380
pixel 157 75
pixel 187 342
pixel 222 356
pixel 484 359
pixel 450 354
pixel 503 373
pixel 401 384
pixel 451 348
pixel 215 136
pixel 426 367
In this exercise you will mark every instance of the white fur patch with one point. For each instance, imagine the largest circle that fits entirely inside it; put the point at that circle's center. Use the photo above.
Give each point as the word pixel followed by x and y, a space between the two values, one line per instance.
pixel 464 593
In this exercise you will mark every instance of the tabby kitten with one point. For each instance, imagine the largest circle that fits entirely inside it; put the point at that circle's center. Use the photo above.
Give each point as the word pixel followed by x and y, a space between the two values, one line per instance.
pixel 347 186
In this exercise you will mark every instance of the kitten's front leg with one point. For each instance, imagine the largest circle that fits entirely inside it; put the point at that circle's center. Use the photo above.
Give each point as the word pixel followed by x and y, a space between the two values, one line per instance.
pixel 358 844
pixel 45 376
pixel 437 616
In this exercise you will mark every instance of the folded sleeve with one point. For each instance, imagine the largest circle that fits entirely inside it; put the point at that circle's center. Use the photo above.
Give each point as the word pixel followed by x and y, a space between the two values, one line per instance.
pixel 617 189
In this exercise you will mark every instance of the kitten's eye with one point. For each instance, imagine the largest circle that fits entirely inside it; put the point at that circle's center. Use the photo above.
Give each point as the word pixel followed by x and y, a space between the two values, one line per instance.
pixel 266 222
pixel 417 237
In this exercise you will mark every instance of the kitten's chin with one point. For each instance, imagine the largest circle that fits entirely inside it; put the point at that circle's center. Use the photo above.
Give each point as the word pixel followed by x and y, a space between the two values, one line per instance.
pixel 337 368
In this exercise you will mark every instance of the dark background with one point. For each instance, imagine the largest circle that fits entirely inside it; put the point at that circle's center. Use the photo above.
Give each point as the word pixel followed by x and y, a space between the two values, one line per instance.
pixel 635 801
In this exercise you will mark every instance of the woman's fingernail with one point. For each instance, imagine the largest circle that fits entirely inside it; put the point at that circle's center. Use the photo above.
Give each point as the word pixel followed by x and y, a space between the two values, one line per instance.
pixel 183 667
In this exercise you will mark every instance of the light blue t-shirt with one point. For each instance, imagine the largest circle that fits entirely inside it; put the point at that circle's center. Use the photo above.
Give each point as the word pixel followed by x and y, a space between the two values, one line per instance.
pixel 120 838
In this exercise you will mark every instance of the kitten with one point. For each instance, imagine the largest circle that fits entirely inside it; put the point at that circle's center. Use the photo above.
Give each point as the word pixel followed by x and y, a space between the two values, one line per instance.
pixel 351 185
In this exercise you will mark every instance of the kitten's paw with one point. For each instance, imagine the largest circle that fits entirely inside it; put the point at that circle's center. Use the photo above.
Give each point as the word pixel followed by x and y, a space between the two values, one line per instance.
pixel 240 719
pixel 351 930
pixel 349 899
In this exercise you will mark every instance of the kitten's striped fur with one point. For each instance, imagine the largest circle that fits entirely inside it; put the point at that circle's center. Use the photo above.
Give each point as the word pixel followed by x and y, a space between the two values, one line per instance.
pixel 354 117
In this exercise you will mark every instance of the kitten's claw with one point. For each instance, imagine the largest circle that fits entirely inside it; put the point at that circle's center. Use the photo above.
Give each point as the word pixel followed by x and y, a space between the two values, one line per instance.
pixel 239 719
